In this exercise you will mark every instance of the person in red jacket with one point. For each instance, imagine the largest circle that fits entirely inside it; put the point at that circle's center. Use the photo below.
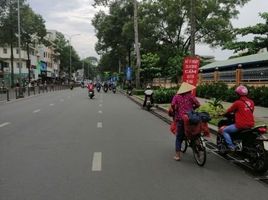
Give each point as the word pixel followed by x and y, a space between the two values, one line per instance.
pixel 244 118
pixel 90 86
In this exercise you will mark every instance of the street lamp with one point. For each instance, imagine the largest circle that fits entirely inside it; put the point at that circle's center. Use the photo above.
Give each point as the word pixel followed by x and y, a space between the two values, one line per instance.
pixel 70 42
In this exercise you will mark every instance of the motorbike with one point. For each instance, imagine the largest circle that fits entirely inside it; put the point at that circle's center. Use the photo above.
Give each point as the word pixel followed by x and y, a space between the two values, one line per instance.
pixel 251 144
pixel 91 94
pixel 129 92
pixel 105 89
pixel 148 96
pixel 71 87
pixel 114 90
pixel 98 89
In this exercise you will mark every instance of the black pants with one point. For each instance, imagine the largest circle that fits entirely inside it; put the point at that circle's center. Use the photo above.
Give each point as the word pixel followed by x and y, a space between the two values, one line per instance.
pixel 145 99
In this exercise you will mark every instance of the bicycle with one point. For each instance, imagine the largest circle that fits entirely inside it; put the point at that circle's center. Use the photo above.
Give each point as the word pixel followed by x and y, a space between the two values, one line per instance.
pixel 198 146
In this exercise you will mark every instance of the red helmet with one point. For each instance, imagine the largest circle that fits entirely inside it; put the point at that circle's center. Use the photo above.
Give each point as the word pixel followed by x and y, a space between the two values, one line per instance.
pixel 241 90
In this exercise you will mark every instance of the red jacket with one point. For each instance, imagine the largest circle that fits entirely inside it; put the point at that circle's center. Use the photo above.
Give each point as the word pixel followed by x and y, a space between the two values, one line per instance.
pixel 244 117
pixel 90 87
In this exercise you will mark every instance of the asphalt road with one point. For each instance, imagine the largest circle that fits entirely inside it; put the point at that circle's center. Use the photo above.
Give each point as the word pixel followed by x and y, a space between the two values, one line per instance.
pixel 64 146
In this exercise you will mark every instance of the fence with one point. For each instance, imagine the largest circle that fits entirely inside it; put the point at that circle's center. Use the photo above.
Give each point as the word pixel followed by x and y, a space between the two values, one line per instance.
pixel 15 93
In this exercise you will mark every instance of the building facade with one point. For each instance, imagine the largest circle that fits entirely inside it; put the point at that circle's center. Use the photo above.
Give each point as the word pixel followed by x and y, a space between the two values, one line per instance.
pixel 44 63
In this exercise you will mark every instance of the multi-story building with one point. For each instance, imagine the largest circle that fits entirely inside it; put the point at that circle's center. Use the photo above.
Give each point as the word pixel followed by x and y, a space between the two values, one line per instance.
pixel 43 61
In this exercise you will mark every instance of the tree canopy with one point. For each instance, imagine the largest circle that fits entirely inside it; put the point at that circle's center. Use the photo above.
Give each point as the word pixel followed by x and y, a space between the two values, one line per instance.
pixel 260 39
pixel 164 30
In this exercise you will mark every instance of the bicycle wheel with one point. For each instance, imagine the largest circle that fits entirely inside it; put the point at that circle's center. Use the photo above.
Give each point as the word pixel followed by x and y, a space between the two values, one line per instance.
pixel 199 151
pixel 184 145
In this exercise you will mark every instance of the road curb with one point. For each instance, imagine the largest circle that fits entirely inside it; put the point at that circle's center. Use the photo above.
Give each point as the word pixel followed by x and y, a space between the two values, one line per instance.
pixel 212 128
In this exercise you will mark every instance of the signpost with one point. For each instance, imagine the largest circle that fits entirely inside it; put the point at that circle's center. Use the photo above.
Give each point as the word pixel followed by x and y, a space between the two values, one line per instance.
pixel 190 70
pixel 129 73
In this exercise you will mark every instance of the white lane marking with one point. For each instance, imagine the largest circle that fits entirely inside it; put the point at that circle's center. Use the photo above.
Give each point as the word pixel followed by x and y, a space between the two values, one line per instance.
pixel 96 162
pixel 4 124
pixel 99 125
pixel 36 111
pixel 52 104
pixel 100 105
pixel 100 111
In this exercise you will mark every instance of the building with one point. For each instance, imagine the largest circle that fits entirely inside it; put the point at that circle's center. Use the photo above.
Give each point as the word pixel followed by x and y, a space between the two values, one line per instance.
pixel 252 70
pixel 44 62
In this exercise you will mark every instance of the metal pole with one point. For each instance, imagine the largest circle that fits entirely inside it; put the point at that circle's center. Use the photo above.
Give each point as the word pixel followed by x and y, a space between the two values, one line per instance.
pixel 70 73
pixel 19 41
pixel 193 28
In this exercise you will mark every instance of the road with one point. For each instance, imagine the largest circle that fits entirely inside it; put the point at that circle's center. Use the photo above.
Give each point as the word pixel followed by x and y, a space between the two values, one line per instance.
pixel 64 146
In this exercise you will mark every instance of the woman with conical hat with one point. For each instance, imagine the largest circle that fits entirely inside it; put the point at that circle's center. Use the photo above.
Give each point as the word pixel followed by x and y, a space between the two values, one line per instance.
pixel 182 103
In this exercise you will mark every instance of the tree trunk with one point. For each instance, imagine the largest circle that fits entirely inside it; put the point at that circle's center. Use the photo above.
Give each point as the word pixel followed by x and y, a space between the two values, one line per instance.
pixel 193 27
pixel 12 64
pixel 137 46
pixel 28 63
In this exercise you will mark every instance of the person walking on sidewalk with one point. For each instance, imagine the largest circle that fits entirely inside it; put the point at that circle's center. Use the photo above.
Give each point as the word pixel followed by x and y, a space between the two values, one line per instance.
pixel 182 103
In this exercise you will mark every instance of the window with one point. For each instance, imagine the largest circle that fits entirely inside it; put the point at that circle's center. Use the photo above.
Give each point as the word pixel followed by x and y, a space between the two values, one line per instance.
pixel 18 65
pixel 17 51
pixel 5 51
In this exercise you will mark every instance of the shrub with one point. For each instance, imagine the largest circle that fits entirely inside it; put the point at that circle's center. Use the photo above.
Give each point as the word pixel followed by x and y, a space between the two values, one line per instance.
pixel 164 95
pixel 138 92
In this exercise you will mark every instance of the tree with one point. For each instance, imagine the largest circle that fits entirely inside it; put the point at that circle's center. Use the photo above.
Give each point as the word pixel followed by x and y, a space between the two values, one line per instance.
pixel 62 46
pixel 150 66
pixel 9 28
pixel 259 41
pixel 164 27
pixel 33 30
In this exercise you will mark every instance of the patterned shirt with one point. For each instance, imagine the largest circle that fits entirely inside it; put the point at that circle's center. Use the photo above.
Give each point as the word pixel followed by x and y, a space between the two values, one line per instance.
pixel 183 103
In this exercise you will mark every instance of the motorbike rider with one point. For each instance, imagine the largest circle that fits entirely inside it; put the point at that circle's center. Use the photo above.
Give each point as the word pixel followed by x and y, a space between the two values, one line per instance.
pixel 243 109
pixel 98 85
pixel 105 85
pixel 90 87
pixel 148 94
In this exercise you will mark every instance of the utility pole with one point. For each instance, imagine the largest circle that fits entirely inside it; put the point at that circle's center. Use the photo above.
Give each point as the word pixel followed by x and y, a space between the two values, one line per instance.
pixel 137 45
pixel 193 28
pixel 19 41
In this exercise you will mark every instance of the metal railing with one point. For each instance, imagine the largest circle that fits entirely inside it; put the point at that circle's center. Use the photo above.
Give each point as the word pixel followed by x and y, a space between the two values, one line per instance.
pixel 7 94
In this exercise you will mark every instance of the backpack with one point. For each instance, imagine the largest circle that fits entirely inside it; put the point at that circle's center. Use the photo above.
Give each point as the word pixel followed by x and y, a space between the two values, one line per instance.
pixel 194 117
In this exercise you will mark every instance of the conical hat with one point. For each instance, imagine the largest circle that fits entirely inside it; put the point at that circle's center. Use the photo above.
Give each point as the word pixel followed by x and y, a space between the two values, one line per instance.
pixel 185 87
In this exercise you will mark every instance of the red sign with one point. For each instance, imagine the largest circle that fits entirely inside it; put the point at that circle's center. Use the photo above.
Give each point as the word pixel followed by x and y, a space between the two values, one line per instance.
pixel 190 70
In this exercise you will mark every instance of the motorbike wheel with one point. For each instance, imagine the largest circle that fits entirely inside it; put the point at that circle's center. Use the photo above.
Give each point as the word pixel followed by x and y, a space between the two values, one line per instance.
pixel 260 164
pixel 221 146
pixel 199 151
pixel 184 145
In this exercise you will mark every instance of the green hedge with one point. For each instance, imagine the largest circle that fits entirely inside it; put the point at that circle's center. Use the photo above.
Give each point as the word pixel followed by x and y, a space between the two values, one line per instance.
pixel 164 95
pixel 221 91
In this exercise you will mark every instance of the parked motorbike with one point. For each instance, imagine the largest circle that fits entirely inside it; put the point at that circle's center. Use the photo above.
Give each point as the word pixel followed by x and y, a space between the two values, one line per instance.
pixel 251 144
pixel 91 94
pixel 98 89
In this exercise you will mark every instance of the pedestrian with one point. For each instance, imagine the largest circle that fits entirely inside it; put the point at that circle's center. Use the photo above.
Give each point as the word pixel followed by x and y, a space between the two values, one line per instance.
pixel 182 103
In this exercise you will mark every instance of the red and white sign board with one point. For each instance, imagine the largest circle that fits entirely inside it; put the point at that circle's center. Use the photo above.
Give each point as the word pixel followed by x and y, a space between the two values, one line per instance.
pixel 190 70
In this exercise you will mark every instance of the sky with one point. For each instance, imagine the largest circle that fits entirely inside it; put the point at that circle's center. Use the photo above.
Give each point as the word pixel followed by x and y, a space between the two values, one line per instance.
pixel 74 17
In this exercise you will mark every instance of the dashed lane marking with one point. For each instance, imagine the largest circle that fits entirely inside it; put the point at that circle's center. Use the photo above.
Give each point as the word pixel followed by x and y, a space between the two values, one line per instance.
pixel 99 125
pixel 4 124
pixel 52 104
pixel 36 111
pixel 100 105
pixel 96 162
pixel 100 111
